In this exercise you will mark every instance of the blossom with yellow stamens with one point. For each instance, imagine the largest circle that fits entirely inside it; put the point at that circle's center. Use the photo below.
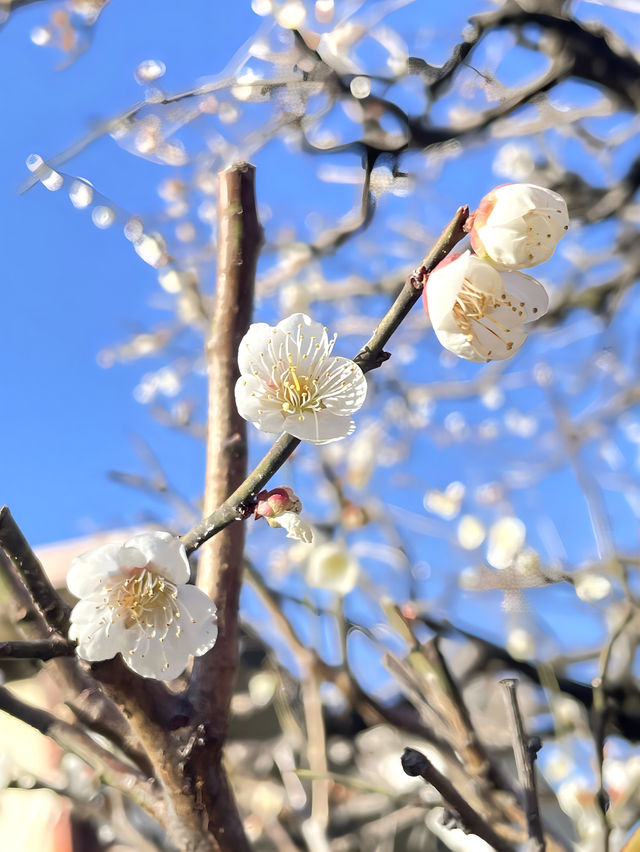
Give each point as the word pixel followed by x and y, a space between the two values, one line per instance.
pixel 479 313
pixel 291 383
pixel 134 600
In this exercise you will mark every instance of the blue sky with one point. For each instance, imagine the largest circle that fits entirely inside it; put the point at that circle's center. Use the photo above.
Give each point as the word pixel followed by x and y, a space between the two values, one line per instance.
pixel 71 290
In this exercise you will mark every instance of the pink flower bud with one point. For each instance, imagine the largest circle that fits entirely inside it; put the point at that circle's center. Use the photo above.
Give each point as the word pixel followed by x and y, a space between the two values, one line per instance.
pixel 272 504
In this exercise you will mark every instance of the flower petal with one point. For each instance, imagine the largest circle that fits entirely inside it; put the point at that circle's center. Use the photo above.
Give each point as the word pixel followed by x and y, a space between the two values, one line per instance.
pixel 165 552
pixel 90 569
pixel 157 659
pixel 342 385
pixel 198 617
pixel 99 635
pixel 298 324
pixel 253 403
pixel 524 288
pixel 252 344
pixel 294 525
pixel 319 427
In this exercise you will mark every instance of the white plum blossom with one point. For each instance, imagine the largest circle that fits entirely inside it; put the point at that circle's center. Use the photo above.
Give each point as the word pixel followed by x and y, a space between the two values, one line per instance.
pixel 291 383
pixel 518 225
pixel 134 600
pixel 479 313
pixel 332 567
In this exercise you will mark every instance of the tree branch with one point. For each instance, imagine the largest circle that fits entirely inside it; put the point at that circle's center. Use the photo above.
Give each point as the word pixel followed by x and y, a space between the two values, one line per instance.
pixel 113 772
pixel 525 756
pixel 37 649
pixel 221 561
pixel 50 604
pixel 370 356
pixel 415 763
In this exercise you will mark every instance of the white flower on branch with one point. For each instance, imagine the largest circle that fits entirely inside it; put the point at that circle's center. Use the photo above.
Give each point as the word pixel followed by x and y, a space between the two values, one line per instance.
pixel 134 600
pixel 290 381
pixel 281 508
pixel 518 225
pixel 332 567
pixel 479 313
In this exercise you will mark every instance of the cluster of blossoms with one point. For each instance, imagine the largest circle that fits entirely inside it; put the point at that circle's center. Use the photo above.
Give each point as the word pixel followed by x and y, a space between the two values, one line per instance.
pixel 479 304
pixel 134 600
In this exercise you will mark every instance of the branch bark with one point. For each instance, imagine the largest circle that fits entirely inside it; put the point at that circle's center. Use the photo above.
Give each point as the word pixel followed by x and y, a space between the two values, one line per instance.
pixel 525 757
pixel 54 610
pixel 415 763
pixel 220 566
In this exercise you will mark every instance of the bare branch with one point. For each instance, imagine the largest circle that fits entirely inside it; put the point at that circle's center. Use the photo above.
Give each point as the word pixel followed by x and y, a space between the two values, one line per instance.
pixel 525 755
pixel 114 772
pixel 37 649
pixel 50 604
pixel 415 763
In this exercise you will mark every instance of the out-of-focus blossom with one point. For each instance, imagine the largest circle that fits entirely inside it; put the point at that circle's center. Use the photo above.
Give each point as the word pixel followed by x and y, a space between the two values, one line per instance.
pixel 479 313
pixel 290 382
pixel 506 540
pixel 521 644
pixel 471 532
pixel 518 225
pixel 332 567
pixel 281 508
pixel 134 600
pixel 446 504
pixel 592 587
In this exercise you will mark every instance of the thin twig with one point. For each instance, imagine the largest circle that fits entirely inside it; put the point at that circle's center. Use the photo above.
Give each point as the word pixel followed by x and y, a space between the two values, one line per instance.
pixel 525 755
pixel 37 649
pixel 371 355
pixel 415 763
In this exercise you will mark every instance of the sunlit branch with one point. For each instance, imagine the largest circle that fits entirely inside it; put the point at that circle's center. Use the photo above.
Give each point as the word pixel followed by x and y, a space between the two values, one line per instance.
pixel 372 355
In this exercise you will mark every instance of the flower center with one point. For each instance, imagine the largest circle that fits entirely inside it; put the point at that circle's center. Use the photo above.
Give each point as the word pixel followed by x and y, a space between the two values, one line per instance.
pixel 146 599
pixel 298 392
pixel 473 305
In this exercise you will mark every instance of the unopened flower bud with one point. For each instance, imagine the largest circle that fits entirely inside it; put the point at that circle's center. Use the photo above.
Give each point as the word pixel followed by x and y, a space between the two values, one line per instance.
pixel 518 225
pixel 272 504
pixel 281 508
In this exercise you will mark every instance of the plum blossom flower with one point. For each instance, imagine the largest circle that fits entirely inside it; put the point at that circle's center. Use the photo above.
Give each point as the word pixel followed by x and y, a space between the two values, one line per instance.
pixel 290 381
pixel 281 508
pixel 332 567
pixel 479 313
pixel 134 600
pixel 518 225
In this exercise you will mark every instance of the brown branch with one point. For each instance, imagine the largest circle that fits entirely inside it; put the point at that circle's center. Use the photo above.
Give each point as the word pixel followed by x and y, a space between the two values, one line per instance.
pixel 113 772
pixel 372 355
pixel 37 649
pixel 55 611
pixel 221 560
pixel 525 756
pixel 415 763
